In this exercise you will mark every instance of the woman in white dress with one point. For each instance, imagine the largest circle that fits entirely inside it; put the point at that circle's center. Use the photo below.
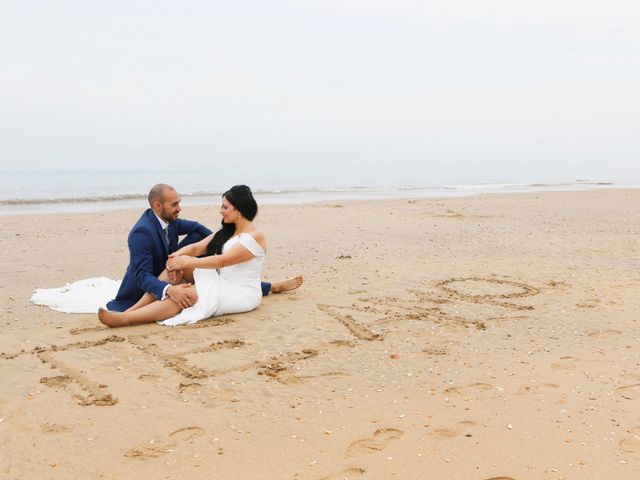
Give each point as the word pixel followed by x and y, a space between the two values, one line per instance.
pixel 224 270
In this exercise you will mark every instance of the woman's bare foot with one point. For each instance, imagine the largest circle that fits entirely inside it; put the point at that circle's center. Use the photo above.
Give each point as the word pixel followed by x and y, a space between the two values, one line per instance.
pixel 111 319
pixel 287 285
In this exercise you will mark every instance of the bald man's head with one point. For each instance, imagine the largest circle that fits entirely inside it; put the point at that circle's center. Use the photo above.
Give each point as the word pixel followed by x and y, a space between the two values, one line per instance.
pixel 157 192
pixel 164 201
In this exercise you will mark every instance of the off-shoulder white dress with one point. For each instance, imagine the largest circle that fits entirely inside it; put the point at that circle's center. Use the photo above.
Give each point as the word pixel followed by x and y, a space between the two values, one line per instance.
pixel 233 289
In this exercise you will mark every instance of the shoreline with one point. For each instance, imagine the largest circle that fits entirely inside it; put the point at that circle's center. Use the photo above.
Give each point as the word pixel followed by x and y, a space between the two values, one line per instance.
pixel 138 201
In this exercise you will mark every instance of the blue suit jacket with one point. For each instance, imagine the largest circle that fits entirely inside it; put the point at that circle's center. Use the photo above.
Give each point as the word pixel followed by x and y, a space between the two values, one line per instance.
pixel 148 253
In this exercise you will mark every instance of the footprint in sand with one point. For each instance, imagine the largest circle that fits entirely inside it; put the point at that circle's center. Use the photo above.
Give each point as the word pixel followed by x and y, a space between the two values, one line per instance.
pixel 470 389
pixel 333 375
pixel 605 333
pixel 150 377
pixel 381 438
pixel 52 428
pixel 455 431
pixel 187 434
pixel 501 478
pixel 345 474
pixel 158 448
pixel 630 392
pixel 566 364
pixel 11 467
pixel 631 445
pixel 588 303
pixel 534 389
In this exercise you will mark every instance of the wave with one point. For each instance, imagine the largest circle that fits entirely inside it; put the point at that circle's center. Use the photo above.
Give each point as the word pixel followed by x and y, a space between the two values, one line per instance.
pixel 590 182
pixel 89 199
pixel 354 190
pixel 203 194
pixel 577 182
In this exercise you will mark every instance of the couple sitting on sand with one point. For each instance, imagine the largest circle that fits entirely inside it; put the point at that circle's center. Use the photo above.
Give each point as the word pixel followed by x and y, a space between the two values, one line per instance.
pixel 204 275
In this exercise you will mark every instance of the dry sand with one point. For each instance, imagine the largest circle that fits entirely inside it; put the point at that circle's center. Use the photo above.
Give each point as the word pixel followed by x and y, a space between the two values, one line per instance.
pixel 470 338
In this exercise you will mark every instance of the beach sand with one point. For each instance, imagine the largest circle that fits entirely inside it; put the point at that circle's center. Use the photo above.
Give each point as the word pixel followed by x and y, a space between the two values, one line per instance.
pixel 488 337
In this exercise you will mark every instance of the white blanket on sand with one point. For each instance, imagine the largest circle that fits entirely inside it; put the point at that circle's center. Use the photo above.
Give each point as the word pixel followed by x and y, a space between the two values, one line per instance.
pixel 83 296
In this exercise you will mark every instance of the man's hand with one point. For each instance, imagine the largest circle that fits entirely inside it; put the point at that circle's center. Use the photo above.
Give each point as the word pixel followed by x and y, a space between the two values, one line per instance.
pixel 182 295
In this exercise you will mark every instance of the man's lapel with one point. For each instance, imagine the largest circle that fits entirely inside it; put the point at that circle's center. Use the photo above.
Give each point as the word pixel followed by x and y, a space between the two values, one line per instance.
pixel 158 228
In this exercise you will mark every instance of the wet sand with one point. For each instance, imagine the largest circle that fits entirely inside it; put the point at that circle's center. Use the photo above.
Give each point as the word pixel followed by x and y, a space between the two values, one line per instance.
pixel 465 338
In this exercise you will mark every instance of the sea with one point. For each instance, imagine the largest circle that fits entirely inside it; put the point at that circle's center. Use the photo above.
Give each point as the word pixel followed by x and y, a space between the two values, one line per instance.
pixel 38 189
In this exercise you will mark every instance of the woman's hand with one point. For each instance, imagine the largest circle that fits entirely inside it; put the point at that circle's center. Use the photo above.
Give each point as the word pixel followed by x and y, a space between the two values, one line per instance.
pixel 178 262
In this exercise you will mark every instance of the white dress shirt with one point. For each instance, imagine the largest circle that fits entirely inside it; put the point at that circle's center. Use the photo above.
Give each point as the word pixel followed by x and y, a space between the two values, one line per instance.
pixel 164 225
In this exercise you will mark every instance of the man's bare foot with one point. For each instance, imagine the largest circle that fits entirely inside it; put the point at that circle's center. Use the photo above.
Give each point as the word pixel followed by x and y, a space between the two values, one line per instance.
pixel 287 285
pixel 111 319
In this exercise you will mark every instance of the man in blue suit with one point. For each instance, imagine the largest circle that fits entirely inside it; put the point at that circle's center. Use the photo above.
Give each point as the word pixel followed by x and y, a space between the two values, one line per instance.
pixel 152 239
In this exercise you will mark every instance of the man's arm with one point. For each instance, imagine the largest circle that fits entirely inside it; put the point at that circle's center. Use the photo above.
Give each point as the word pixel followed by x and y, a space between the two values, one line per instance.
pixel 141 251
pixel 194 232
pixel 195 249
pixel 186 227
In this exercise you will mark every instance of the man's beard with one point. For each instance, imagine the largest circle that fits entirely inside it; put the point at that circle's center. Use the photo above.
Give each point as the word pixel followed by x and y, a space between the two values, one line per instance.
pixel 167 217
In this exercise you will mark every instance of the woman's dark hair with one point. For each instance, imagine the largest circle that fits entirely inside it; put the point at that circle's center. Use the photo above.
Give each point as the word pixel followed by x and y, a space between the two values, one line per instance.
pixel 241 198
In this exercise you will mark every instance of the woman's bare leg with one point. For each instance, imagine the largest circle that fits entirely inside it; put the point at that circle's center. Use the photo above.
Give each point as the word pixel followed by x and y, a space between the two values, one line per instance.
pixel 287 285
pixel 149 313
pixel 147 298
pixel 187 275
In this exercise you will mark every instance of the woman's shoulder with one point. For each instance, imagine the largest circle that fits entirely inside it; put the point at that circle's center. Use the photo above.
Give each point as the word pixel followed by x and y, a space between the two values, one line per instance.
pixel 258 237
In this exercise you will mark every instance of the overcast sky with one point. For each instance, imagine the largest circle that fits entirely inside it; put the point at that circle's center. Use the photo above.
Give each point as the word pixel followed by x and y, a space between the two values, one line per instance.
pixel 513 82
